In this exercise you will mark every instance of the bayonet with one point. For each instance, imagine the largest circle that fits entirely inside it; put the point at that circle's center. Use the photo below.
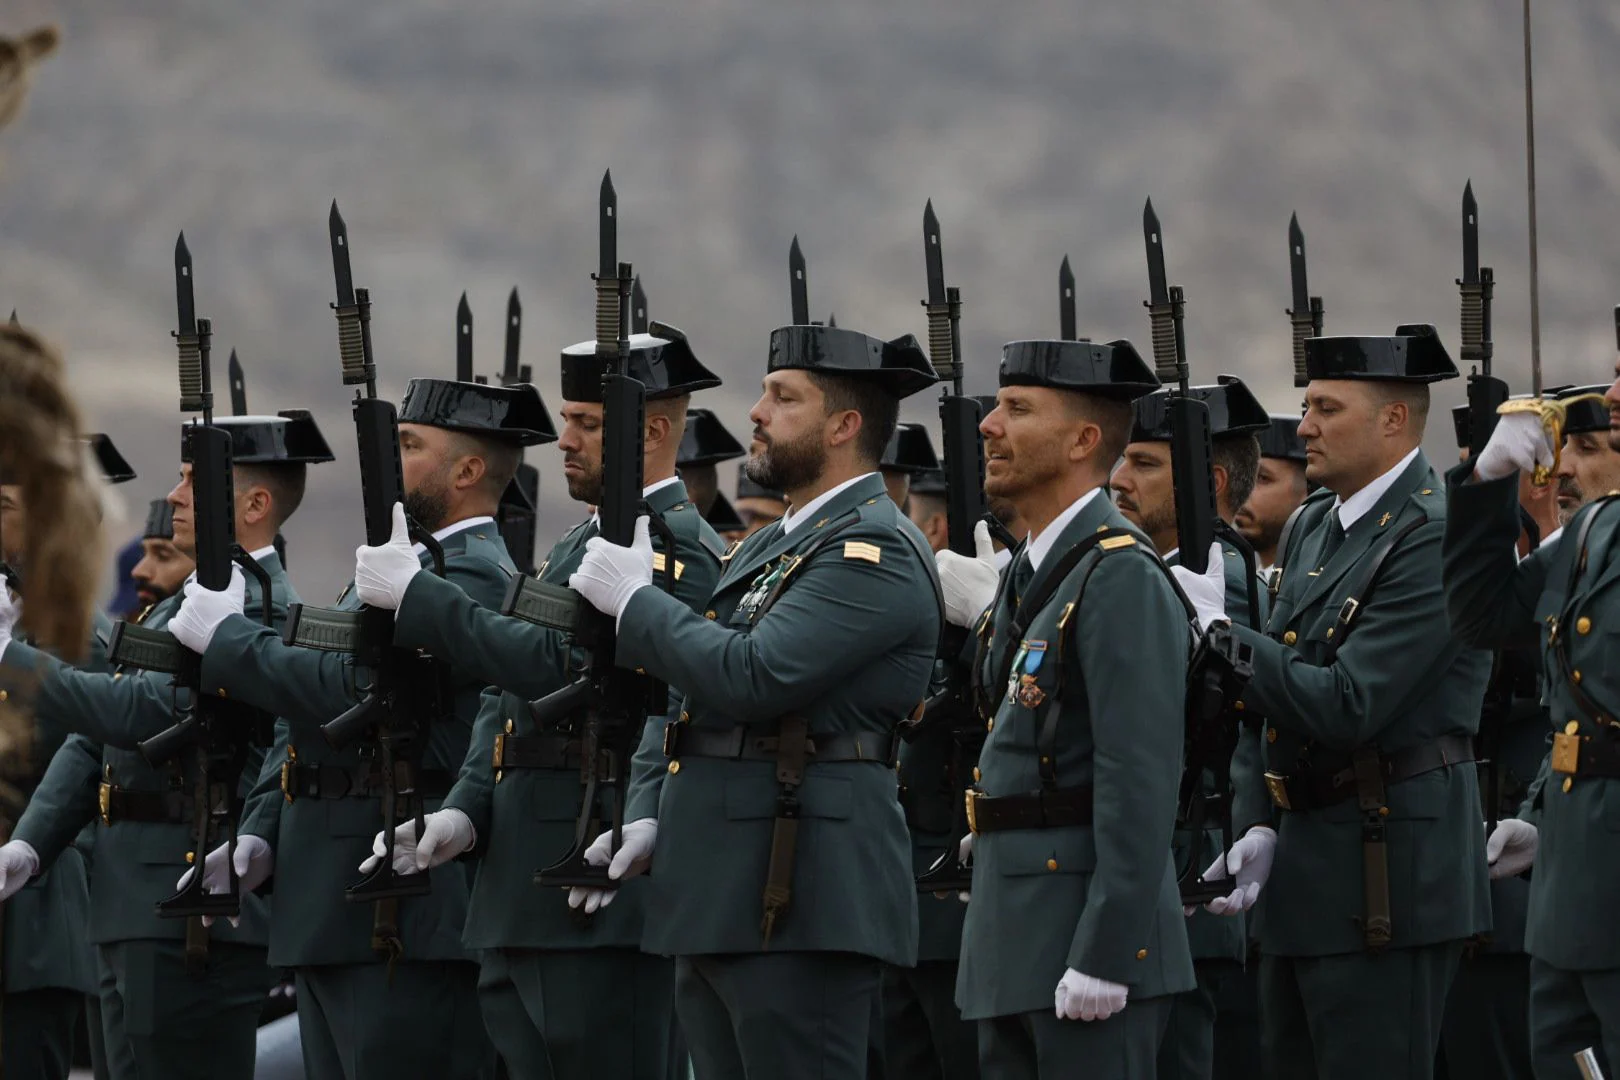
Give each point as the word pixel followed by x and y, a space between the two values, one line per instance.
pixel 510 372
pixel 940 351
pixel 464 342
pixel 798 285
pixel 1470 227
pixel 195 393
pixel 607 269
pixel 1066 319
pixel 341 270
pixel 1306 314
pixel 1158 290
pixel 238 386
pixel 638 307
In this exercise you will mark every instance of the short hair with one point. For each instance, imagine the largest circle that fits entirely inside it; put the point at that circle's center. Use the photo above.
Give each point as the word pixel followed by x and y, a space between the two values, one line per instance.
pixel 674 410
pixel 879 409
pixel 501 459
pixel 1239 455
pixel 284 480
pixel 1113 417
pixel 1415 396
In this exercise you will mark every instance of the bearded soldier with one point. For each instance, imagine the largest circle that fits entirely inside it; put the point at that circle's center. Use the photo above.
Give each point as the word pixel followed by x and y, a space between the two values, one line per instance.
pixel 1279 488
pixel 1589 467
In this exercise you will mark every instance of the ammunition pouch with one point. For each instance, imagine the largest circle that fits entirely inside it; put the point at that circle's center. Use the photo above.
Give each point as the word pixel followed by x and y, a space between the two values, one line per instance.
pixel 542 603
pixel 1060 808
pixel 362 782
pixel 1317 785
pixel 326 629
pixel 1587 756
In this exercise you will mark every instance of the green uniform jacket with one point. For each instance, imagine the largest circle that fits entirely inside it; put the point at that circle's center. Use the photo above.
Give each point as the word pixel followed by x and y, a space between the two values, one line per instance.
pixel 320 843
pixel 1401 680
pixel 137 863
pixel 1496 601
pixel 1101 899
pixel 1220 937
pixel 45 945
pixel 850 646
pixel 525 820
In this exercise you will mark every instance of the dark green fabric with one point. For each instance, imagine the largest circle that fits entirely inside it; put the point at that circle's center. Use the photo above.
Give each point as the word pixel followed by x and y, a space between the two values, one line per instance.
pixel 778 1015
pixel 1486 1031
pixel 1038 1046
pixel 37 1032
pixel 1237 1023
pixel 363 1022
pixel 556 1014
pixel 1401 679
pixel 924 1036
pixel 1100 899
pixel 184 1026
pixel 116 1054
pixel 1571 1011
pixel 850 645
pixel 1355 1016
pixel 1188 1049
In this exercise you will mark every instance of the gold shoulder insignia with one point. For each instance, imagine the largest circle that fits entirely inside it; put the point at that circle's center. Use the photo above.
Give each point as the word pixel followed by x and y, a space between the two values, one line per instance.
pixel 859 549
pixel 1114 543
pixel 1383 521
pixel 659 564
pixel 731 550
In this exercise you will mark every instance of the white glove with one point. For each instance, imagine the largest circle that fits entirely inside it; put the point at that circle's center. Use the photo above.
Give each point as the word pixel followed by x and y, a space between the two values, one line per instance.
pixel 1249 862
pixel 1518 444
pixel 632 858
pixel 1084 997
pixel 964 855
pixel 202 610
pixel 10 612
pixel 609 574
pixel 1207 591
pixel 445 834
pixel 969 585
pixel 254 862
pixel 1511 847
pixel 18 862
pixel 383 573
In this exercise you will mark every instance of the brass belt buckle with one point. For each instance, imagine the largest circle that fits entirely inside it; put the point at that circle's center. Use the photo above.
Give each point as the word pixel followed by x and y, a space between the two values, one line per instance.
pixel 672 734
pixel 972 816
pixel 104 802
pixel 500 751
pixel 1277 788
pixel 287 773
pixel 1566 753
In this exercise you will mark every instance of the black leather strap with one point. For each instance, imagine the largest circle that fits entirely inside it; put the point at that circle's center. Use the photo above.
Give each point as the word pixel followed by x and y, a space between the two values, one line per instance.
pixel 553 751
pixel 759 743
pixel 1329 783
pixel 150 807
pixel 364 782
pixel 1059 808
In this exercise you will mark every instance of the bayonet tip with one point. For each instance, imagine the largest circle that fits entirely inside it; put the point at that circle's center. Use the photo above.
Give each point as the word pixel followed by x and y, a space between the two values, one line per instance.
pixel 512 298
pixel 1149 218
pixel 462 306
pixel 180 249
pixel 607 183
pixel 1065 267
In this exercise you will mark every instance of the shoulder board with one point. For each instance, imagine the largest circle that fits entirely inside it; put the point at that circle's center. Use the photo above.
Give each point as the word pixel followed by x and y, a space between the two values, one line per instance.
pixel 1114 543
pixel 860 549
pixel 659 563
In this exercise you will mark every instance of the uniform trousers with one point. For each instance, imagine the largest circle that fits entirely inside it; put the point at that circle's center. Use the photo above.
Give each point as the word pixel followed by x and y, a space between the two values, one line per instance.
pixel 1486 1033
pixel 1355 1015
pixel 578 1013
pixel 365 1022
pixel 777 1016
pixel 924 1035
pixel 1571 1011
pixel 1188 1049
pixel 37 1031
pixel 1038 1046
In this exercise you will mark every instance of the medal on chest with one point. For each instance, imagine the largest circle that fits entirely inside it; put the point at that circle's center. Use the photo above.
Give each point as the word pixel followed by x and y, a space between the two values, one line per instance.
pixel 762 585
pixel 1026 667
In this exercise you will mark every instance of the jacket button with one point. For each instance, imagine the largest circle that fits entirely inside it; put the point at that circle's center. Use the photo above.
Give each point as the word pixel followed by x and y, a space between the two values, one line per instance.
pixel 1575 676
pixel 1141 954
pixel 989 725
pixel 1290 637
pixel 1051 864
pixel 3 695
pixel 1572 727
pixel 975 774
pixel 709 614
pixel 674 767
pixel 1569 782
pixel 1583 625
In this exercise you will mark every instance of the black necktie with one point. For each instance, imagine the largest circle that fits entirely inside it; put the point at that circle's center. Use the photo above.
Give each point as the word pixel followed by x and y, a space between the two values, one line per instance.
pixel 1334 537
pixel 1022 572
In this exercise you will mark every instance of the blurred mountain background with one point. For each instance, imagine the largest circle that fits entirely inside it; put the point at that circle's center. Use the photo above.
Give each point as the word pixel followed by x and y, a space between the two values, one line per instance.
pixel 464 142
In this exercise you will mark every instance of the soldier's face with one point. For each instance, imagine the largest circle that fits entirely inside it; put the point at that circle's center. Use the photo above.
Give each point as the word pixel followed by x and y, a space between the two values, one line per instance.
pixel 1341 429
pixel 1279 488
pixel 1612 398
pixel 185 533
pixel 427 461
pixel 1588 468
pixel 1025 441
pixel 927 512
pixel 13 537
pixel 162 570
pixel 1145 491
pixel 791 427
pixel 581 444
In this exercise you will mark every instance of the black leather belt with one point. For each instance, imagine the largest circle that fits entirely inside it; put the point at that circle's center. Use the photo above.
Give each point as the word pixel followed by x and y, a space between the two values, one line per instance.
pixel 554 751
pixel 363 782
pixel 151 807
pixel 1596 756
pixel 1060 808
pixel 1321 786
pixel 743 743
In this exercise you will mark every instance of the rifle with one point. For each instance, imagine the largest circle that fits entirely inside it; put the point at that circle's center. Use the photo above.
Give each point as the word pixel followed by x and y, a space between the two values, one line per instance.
pixel 516 516
pixel 1485 392
pixel 1306 314
pixel 951 711
pixel 216 732
pixel 407 691
pixel 606 706
pixel 1221 664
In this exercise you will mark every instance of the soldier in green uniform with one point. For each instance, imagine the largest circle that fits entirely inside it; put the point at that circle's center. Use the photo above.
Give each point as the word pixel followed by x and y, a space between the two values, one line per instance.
pixel 910 452
pixel 163 1013
pixel 1074 938
pixel 163 568
pixel 49 964
pixel 383 990
pixel 1557 600
pixel 1145 494
pixel 1369 845
pixel 705 443
pixel 1589 467
pixel 781 878
pixel 926 508
pixel 1279 489
pixel 563 994
pixel 757 505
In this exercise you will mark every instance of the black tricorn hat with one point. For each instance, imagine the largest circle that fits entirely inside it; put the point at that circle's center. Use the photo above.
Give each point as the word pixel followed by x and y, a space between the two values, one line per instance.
pixel 1112 370
pixel 1413 354
pixel 1233 410
pixel 661 360
pixel 159 521
pixel 1585 417
pixel 706 441
pixel 290 437
pixel 113 465
pixel 722 516
pixel 748 489
pixel 1281 439
pixel 910 450
pixel 513 413
pixel 899 366
pixel 929 482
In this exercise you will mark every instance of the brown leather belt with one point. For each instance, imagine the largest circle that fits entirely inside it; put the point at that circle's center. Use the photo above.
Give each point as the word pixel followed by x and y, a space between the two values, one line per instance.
pixel 1318 787
pixel 151 807
pixel 360 782
pixel 1595 756
pixel 1060 808
pixel 743 743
